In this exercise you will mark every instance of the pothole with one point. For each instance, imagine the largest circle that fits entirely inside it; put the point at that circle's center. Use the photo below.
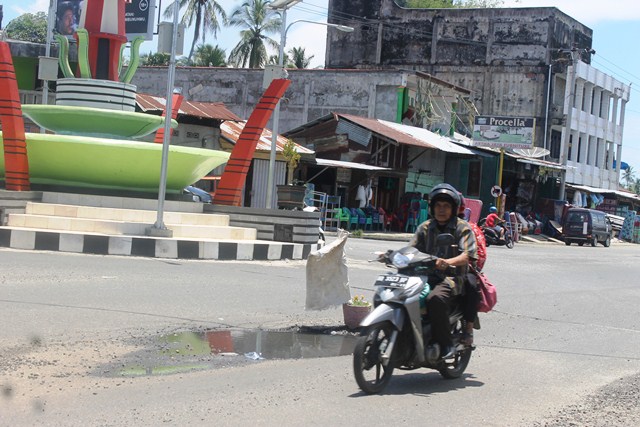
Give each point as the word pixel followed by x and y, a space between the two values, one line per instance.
pixel 218 348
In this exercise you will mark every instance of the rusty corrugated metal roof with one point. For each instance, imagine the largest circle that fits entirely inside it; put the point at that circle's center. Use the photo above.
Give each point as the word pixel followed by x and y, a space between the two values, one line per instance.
pixel 205 110
pixel 404 134
pixel 231 131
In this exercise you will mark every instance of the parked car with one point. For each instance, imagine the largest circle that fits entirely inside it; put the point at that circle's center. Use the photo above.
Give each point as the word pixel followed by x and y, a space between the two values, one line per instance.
pixel 586 226
pixel 198 194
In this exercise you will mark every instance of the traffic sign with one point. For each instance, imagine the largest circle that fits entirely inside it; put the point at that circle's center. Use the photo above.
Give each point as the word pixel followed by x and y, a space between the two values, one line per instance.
pixel 496 191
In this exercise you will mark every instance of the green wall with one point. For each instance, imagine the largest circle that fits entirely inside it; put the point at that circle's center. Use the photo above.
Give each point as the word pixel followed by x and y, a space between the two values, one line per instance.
pixel 26 72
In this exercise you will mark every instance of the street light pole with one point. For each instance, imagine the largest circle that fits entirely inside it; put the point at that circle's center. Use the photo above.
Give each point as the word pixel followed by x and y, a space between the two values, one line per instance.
pixel 283 6
pixel 276 110
pixel 547 128
pixel 53 5
pixel 159 229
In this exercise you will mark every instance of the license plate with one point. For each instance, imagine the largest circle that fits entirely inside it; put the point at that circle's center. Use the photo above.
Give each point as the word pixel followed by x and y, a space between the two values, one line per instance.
pixel 392 281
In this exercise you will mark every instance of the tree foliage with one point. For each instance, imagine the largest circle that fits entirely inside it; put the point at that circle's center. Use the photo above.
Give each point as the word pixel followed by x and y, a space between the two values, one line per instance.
pixel 155 59
pixel 28 27
pixel 207 55
pixel 203 13
pixel 257 23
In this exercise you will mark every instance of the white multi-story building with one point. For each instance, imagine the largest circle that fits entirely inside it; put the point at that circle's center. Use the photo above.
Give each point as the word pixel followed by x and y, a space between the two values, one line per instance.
pixel 592 135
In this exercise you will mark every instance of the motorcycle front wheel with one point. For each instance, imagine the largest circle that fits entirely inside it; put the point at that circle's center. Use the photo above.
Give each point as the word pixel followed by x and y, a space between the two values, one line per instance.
pixel 509 241
pixel 370 373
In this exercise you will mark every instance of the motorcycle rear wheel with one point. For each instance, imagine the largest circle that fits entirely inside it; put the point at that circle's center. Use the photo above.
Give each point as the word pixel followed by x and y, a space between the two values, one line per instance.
pixel 455 369
pixel 371 375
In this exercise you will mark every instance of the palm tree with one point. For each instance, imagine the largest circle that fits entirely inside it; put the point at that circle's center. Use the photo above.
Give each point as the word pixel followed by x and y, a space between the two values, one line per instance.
pixel 299 59
pixel 629 176
pixel 257 23
pixel 209 56
pixel 204 13
pixel 273 60
pixel 636 186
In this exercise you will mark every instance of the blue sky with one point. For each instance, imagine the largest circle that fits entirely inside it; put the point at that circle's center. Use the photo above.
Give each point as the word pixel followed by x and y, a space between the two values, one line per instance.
pixel 615 25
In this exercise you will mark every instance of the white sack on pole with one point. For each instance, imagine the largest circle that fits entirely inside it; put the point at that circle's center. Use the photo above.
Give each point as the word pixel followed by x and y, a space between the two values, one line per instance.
pixel 328 275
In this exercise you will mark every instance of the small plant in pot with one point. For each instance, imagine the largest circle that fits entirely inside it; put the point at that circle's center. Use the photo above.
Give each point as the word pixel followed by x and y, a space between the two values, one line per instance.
pixel 292 157
pixel 355 310
pixel 291 196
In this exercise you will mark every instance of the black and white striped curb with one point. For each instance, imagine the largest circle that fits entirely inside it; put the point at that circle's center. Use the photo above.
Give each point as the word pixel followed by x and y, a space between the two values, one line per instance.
pixel 156 247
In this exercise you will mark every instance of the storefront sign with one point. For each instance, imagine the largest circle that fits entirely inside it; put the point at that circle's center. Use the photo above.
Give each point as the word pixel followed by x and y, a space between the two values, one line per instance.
pixel 503 132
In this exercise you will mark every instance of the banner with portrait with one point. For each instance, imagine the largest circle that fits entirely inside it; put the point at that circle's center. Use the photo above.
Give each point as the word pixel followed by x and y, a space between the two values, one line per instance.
pixel 67 17
pixel 138 19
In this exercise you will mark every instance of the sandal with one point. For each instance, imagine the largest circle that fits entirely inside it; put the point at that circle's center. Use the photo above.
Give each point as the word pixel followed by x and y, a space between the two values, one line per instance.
pixel 467 339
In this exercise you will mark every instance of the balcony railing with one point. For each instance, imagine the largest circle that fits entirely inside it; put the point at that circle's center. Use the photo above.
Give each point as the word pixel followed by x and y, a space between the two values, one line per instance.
pixel 35 97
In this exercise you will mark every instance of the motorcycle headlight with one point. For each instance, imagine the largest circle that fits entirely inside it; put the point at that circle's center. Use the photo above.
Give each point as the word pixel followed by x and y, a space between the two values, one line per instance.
pixel 387 294
pixel 401 260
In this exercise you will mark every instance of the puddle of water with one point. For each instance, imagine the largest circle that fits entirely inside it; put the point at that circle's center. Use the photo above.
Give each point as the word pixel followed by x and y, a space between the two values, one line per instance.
pixel 188 351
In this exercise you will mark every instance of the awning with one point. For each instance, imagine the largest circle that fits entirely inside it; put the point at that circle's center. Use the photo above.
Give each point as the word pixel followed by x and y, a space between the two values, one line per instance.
pixel 595 190
pixel 349 165
pixel 437 141
pixel 550 165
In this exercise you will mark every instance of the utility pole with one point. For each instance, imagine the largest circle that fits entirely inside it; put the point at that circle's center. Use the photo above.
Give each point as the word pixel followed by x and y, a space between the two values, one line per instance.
pixel 564 154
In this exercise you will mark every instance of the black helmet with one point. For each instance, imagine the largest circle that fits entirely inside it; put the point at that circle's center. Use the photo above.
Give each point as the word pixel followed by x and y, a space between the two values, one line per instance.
pixel 444 192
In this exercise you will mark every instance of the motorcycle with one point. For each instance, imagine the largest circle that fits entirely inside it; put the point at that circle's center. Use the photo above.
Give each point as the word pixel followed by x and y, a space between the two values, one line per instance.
pixel 492 237
pixel 395 334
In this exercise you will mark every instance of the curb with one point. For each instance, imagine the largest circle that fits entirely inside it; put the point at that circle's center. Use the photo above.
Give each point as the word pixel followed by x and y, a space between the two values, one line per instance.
pixel 153 247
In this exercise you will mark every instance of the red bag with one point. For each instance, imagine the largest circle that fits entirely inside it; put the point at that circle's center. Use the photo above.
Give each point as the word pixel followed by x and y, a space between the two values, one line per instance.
pixel 488 295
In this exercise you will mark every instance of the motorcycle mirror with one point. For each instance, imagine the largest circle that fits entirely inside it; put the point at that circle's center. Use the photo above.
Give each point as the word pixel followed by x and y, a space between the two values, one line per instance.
pixel 444 240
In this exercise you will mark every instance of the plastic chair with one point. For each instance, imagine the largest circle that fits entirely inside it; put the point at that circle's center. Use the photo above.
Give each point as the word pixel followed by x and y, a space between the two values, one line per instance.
pixel 341 216
pixel 381 219
pixel 412 216
pixel 353 216
pixel 364 219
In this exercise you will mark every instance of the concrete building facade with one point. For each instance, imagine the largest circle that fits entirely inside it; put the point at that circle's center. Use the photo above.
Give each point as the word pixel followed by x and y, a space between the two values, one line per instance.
pixel 505 57
pixel 592 138
pixel 311 95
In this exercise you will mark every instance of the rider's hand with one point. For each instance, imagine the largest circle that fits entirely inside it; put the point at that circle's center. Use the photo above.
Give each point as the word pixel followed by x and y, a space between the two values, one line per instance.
pixel 441 264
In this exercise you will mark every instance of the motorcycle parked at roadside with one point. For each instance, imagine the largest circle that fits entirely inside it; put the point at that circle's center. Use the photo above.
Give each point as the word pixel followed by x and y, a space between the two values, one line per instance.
pixel 395 334
pixel 492 237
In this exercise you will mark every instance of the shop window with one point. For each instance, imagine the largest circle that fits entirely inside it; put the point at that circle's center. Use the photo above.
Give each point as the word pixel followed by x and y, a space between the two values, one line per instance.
pixel 555 144
pixel 473 182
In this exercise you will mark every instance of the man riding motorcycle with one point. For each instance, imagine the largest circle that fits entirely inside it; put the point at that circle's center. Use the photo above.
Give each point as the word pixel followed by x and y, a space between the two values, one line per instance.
pixel 444 201
pixel 493 221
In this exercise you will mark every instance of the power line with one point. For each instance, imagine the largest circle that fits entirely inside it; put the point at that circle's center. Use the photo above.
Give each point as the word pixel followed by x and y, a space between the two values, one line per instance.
pixel 618 67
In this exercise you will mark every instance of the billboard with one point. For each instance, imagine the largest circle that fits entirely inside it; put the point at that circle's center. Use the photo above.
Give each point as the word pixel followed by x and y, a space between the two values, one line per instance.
pixel 503 132
pixel 138 18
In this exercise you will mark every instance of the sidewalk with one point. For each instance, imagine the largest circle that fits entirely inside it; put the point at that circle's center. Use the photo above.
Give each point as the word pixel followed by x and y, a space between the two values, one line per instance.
pixel 406 237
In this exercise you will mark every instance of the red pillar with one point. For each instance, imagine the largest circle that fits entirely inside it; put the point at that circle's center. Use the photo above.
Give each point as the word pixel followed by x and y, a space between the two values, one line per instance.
pixel 16 163
pixel 176 102
pixel 229 190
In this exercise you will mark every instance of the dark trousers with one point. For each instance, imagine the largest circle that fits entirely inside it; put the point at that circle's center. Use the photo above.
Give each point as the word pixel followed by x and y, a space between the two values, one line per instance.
pixel 470 299
pixel 438 303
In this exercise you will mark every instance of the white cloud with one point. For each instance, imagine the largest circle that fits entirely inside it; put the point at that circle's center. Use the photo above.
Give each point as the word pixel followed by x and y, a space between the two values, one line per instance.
pixel 312 37
pixel 32 7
